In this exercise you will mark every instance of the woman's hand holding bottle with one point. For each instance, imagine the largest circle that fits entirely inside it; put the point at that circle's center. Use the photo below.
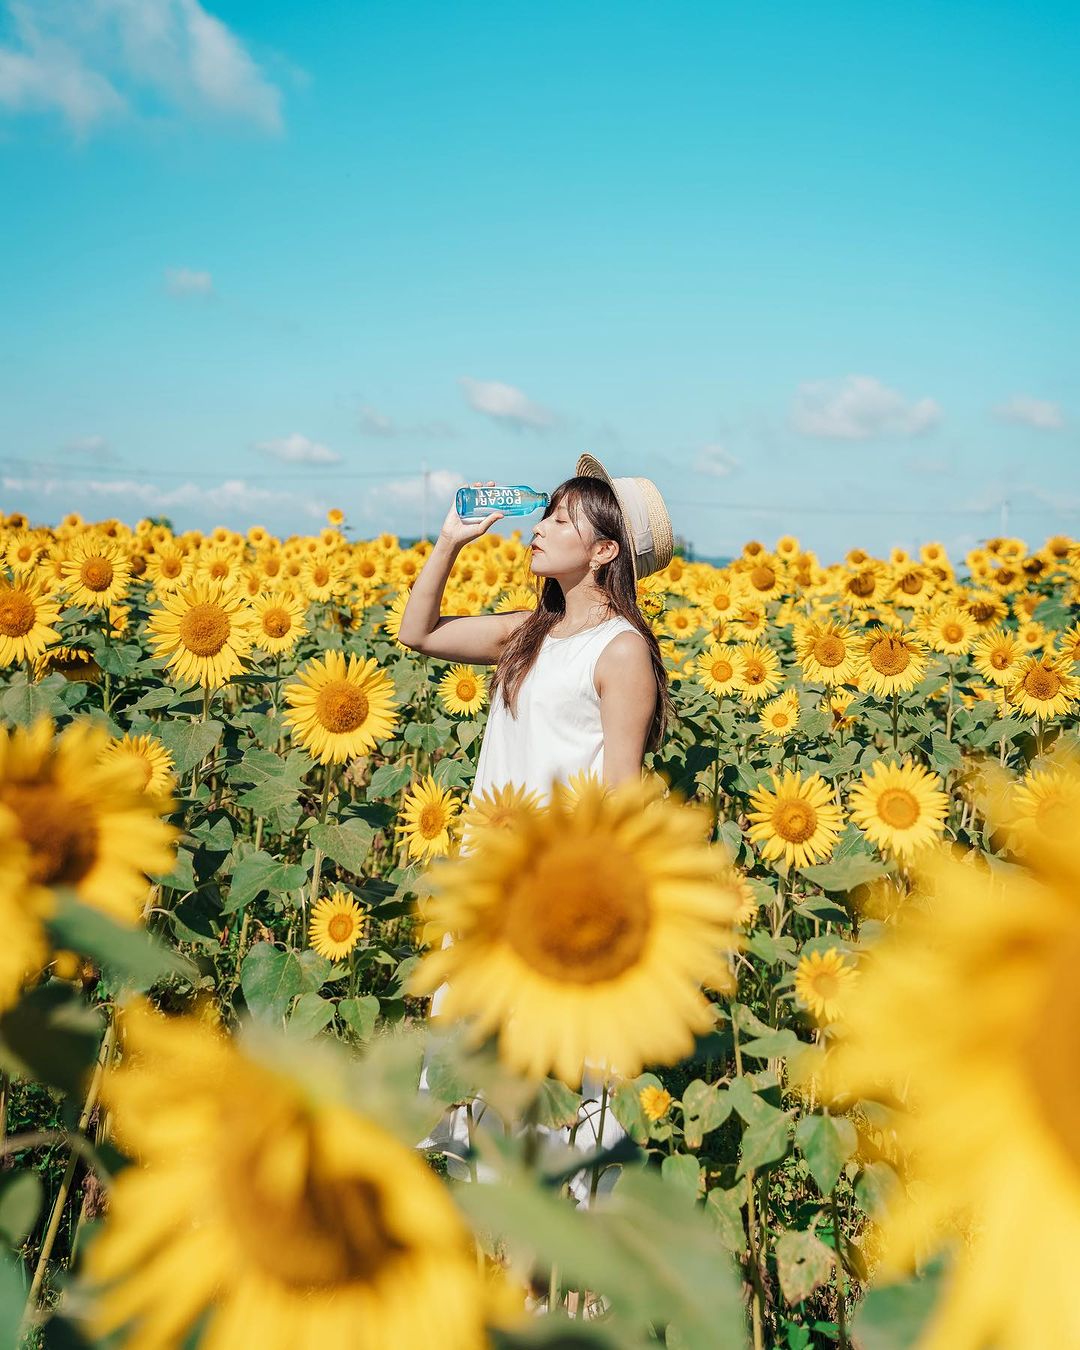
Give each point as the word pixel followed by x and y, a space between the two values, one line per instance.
pixel 457 531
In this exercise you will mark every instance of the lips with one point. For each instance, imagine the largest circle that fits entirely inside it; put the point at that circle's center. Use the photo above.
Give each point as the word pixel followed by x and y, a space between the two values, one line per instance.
pixel 537 549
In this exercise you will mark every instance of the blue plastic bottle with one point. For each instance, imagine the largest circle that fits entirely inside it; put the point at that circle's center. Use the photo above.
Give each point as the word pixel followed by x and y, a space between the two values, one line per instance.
pixel 476 503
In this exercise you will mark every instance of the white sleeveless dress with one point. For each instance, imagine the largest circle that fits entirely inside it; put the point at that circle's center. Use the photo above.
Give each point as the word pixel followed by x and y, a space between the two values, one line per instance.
pixel 557 733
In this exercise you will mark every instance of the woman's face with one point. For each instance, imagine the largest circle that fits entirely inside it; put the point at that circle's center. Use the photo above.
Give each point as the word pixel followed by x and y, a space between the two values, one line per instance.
pixel 558 548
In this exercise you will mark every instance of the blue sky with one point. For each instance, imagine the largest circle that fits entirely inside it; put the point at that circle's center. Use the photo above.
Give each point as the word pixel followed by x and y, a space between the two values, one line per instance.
pixel 808 267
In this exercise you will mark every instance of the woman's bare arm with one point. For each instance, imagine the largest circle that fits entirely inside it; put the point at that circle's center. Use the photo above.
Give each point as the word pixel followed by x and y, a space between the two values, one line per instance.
pixel 475 639
pixel 625 681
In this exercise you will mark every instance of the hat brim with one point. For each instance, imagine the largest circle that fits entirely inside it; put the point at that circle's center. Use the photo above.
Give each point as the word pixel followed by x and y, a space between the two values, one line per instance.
pixel 588 466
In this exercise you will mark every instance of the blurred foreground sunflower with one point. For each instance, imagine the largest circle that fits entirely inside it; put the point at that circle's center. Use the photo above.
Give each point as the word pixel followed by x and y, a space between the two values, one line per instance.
pixel 84 819
pixel 583 932
pixel 268 1209
pixel 967 1015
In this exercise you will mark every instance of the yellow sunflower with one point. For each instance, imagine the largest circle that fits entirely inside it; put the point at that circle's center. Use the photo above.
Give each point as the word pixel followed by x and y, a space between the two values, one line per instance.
pixel 951 630
pixel 428 818
pixel 583 933
pixel 266 1207
pixel 85 820
pixel 820 979
pixel 340 709
pixel 515 599
pixel 779 717
pixel 150 757
pixel 717 669
pixel 655 1102
pixel 337 924
pixel 391 623
pixel 1044 687
pixel 26 618
pixel 203 631
pixel 493 808
pixel 96 571
pixel 966 1020
pixel 758 671
pixel 25 948
pixel 891 660
pixel 997 655
pixel 323 578
pixel 826 652
pixel 462 690
pixel 836 704
pixel 798 820
pixel 279 622
pixel 1045 805
pixel 900 807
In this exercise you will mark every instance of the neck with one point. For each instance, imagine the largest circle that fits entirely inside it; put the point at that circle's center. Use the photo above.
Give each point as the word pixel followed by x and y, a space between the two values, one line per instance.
pixel 586 603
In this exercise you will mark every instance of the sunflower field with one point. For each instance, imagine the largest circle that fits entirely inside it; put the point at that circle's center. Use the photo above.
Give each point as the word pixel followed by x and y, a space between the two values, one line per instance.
pixel 775 1047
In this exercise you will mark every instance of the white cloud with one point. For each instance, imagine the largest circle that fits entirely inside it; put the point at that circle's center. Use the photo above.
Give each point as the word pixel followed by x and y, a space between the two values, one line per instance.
pixel 1031 412
pixel 504 403
pixel 402 499
pixel 233 497
pixel 95 448
pixel 298 449
pixel 372 422
pixel 183 281
pixel 858 408
pixel 91 60
pixel 715 461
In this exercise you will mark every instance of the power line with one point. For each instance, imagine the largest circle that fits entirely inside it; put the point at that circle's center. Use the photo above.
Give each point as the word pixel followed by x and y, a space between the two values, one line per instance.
pixel 121 474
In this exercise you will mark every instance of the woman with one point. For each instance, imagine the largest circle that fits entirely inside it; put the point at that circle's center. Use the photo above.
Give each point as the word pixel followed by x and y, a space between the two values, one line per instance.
pixel 579 682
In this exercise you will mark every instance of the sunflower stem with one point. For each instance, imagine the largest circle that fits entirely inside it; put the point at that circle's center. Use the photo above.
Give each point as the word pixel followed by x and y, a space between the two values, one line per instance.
pixel 104 1054
pixel 716 771
pixel 758 1300
pixel 841 1275
pixel 594 1184
pixel 316 871
pixel 895 714
pixel 949 711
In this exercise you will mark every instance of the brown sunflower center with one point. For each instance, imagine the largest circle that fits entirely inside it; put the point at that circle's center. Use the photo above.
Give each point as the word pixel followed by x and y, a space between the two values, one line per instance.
pixel 17 613
pixel 825 985
pixel 863 584
pixel 466 689
pixel 753 672
pixel 829 651
pixel 320 575
pixel 890 656
pixel 762 578
pixel 341 707
pixel 1042 683
pixel 96 574
pixel 271 567
pixel 341 927
pixel 581 920
pixel 171 568
pixel 276 621
pixel 781 719
pixel 722 670
pixel 953 632
pixel 432 820
pixel 898 807
pixel 204 629
pixel 327 1232
pixel 62 839
pixel 794 821
pixel 1000 659
pixel 911 583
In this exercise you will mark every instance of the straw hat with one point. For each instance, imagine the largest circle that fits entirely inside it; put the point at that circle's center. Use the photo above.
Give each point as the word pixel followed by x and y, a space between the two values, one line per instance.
pixel 648 525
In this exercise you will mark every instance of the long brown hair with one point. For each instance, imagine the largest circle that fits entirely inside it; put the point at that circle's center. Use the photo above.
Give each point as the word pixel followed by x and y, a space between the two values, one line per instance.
pixel 596 500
